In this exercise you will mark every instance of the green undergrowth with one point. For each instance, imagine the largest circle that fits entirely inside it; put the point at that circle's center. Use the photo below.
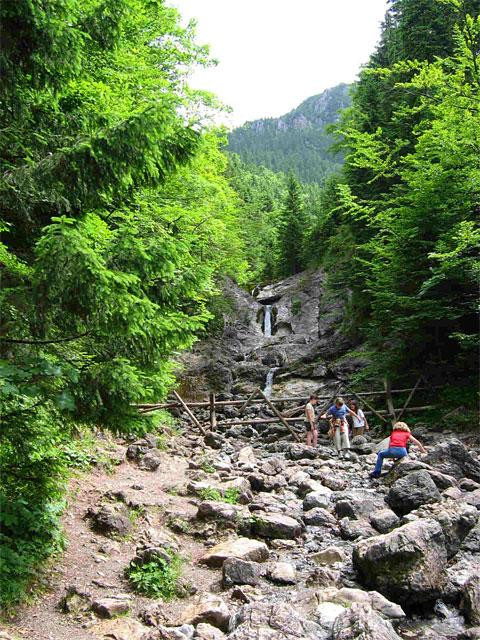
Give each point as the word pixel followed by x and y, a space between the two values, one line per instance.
pixel 230 495
pixel 158 578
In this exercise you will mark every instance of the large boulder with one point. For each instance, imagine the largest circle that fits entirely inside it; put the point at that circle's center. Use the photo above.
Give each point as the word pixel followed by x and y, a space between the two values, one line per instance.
pixel 457 519
pixel 407 465
pixel 407 565
pixel 236 571
pixel 243 548
pixel 275 525
pixel 358 503
pixel 361 621
pixel 411 491
pixel 471 600
pixel 453 458
pixel 319 498
pixel 267 621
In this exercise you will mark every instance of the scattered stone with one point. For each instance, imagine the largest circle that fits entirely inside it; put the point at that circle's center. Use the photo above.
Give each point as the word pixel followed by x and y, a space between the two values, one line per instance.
pixel 384 520
pixel 319 517
pixel 412 491
pixel 236 571
pixel 325 614
pixel 111 519
pixel 214 440
pixel 151 460
pixel 354 529
pixel 137 450
pixel 205 631
pixel 243 548
pixel 328 556
pixel 246 457
pixel 223 511
pixel 120 629
pixel 208 608
pixel 76 600
pixel 297 451
pixel 283 573
pixel 406 565
pixel 184 632
pixel 112 606
pixel 358 503
pixel 319 498
pixel 472 541
pixel 266 621
pixel 275 525
pixel 346 597
pixel 361 621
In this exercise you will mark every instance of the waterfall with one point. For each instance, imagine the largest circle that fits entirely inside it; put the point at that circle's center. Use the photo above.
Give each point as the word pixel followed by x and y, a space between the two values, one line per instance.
pixel 267 322
pixel 269 381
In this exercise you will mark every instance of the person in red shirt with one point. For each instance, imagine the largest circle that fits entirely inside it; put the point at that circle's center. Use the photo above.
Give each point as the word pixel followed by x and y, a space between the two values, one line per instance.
pixel 397 447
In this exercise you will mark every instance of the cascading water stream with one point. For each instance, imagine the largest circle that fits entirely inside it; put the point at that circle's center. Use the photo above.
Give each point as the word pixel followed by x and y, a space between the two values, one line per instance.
pixel 267 322
pixel 269 381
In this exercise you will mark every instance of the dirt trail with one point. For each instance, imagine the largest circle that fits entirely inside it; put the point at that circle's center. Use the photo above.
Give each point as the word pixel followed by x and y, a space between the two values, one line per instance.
pixel 84 565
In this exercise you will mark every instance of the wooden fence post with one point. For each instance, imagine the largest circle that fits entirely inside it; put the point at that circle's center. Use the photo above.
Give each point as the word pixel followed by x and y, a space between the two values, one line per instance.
pixel 194 419
pixel 388 397
pixel 407 401
pixel 213 414
pixel 279 415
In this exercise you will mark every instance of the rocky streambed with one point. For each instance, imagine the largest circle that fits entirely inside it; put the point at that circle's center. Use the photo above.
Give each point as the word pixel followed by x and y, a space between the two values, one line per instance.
pixel 278 540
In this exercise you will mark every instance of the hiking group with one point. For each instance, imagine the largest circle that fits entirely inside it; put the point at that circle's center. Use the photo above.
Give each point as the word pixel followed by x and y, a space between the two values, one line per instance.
pixel 340 415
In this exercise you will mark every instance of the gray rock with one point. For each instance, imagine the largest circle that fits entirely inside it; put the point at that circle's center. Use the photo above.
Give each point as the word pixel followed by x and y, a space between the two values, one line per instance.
pixel 354 529
pixel 384 520
pixel 472 541
pixel 407 565
pixel 111 519
pixel 207 608
pixel 275 525
pixel 471 600
pixel 453 458
pixel 358 503
pixel 282 573
pixel 412 491
pixel 319 498
pixel 319 517
pixel 151 460
pixel 473 498
pixel 266 621
pixel 222 512
pixel 214 440
pixel 455 518
pixel 205 631
pixel 361 621
pixel 112 606
pixel 138 449
pixel 346 597
pixel 184 632
pixel 297 451
pixel 76 600
pixel 328 556
pixel 243 548
pixel 236 571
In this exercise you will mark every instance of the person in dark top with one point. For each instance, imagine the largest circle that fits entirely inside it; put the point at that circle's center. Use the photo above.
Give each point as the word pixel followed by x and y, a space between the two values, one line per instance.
pixel 397 446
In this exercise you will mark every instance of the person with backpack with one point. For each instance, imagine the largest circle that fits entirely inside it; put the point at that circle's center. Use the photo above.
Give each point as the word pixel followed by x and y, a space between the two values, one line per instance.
pixel 397 446
pixel 337 413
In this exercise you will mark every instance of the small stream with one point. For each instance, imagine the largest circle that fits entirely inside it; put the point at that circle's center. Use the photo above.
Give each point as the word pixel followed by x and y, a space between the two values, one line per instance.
pixel 269 381
pixel 267 322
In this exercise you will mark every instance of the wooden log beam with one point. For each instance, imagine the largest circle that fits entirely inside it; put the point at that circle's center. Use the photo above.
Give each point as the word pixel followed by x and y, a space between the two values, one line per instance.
pixel 189 413
pixel 388 397
pixel 213 414
pixel 279 415
pixel 407 401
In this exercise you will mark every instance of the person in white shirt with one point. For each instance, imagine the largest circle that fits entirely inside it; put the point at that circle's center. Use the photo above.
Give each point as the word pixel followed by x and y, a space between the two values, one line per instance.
pixel 360 423
pixel 311 421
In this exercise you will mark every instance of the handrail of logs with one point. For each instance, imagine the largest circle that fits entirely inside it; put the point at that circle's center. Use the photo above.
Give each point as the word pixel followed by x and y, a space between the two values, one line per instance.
pixel 288 416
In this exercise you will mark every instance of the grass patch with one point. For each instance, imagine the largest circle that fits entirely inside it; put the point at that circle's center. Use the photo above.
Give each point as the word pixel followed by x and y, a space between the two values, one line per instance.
pixel 207 466
pixel 157 579
pixel 230 495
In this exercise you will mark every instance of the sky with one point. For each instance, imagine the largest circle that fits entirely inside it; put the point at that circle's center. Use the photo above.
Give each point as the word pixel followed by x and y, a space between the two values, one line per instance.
pixel 273 54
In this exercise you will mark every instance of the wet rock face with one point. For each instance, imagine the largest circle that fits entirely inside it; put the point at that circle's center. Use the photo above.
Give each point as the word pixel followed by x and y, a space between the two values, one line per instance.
pixel 407 565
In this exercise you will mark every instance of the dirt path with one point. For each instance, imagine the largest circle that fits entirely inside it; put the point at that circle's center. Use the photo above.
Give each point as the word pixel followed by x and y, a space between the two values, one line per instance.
pixel 96 565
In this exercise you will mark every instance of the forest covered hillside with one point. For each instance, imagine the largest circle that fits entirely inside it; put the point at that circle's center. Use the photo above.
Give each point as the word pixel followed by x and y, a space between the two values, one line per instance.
pixel 297 141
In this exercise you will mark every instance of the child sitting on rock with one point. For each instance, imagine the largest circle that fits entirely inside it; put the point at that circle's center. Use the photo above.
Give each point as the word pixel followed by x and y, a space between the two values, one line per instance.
pixel 397 446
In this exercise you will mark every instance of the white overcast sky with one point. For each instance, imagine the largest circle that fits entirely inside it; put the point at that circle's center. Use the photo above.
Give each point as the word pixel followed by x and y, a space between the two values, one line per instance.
pixel 275 53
